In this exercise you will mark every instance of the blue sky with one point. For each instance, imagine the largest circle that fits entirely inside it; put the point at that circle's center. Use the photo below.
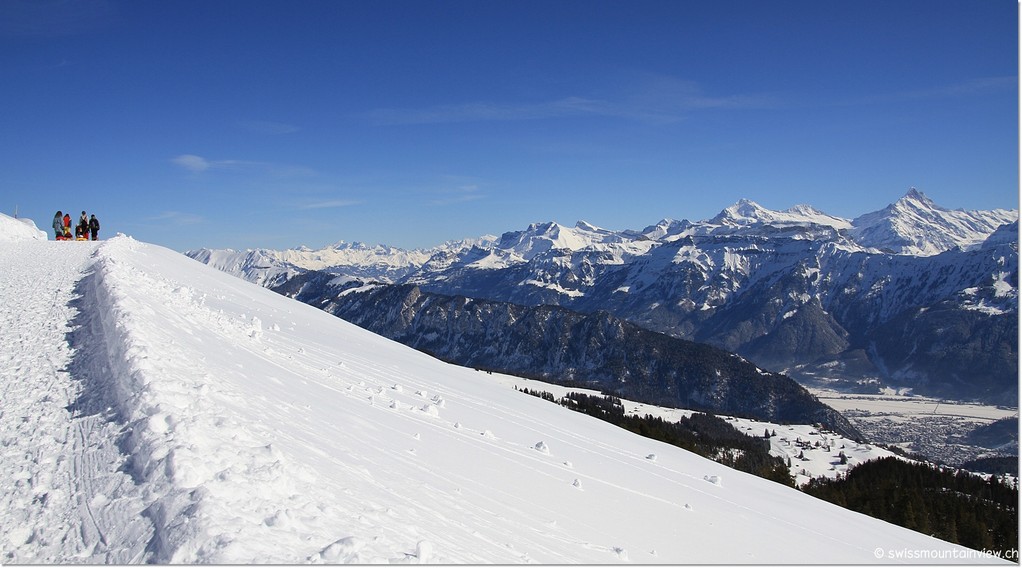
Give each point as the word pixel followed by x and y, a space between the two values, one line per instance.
pixel 275 124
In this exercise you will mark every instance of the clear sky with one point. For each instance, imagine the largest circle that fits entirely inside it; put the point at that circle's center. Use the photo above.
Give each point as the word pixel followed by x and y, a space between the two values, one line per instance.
pixel 250 123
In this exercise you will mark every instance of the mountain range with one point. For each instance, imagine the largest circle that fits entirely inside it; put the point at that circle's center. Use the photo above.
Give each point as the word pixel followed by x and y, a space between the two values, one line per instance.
pixel 913 295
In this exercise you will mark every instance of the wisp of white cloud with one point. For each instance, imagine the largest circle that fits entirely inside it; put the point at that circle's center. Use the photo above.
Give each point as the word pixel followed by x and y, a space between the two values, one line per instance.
pixel 198 164
pixel 646 97
pixel 329 204
pixel 489 111
pixel 458 194
pixel 192 163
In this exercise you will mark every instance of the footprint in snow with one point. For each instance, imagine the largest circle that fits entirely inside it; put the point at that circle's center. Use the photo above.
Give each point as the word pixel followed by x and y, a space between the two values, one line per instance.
pixel 651 457
pixel 714 479
pixel 542 447
pixel 577 484
pixel 280 519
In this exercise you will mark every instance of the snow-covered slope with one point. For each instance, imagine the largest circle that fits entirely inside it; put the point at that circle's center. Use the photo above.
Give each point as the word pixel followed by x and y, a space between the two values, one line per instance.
pixel 158 410
pixel 12 230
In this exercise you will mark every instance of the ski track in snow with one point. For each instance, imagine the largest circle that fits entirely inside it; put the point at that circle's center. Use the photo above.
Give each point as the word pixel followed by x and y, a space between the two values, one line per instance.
pixel 155 410
pixel 68 497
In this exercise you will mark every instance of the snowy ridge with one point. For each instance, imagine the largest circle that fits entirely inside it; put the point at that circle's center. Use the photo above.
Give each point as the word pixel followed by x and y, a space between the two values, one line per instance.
pixel 260 430
pixel 378 262
pixel 747 212
pixel 542 240
pixel 912 226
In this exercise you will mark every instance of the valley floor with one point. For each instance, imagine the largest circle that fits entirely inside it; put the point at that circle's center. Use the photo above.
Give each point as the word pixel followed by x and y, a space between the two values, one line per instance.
pixel 931 427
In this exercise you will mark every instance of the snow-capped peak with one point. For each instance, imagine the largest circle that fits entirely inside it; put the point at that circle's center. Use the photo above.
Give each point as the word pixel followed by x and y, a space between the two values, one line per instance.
pixel 744 212
pixel 914 195
pixel 916 225
pixel 539 238
pixel 587 226
pixel 665 228
pixel 748 213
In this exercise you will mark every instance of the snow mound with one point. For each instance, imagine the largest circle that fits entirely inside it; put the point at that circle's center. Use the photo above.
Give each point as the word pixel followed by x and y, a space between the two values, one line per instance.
pixel 14 230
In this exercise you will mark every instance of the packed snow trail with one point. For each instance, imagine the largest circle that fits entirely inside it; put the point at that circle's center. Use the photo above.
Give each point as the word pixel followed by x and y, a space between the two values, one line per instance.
pixel 66 498
pixel 157 410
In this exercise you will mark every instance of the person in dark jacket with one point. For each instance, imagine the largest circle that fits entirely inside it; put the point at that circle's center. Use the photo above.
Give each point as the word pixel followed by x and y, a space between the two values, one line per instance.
pixel 58 224
pixel 94 227
pixel 83 224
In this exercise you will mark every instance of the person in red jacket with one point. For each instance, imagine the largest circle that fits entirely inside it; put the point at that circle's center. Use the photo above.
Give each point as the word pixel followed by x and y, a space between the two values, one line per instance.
pixel 67 225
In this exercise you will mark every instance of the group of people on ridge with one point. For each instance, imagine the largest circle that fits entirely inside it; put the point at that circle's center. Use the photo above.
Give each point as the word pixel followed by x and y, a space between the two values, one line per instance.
pixel 85 226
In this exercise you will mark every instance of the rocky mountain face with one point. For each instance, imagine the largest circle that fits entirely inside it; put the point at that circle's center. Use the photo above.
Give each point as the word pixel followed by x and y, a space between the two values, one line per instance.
pixel 913 295
pixel 554 344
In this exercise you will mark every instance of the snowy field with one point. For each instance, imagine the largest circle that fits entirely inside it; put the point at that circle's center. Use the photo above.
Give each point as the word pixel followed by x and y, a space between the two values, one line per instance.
pixel 157 410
